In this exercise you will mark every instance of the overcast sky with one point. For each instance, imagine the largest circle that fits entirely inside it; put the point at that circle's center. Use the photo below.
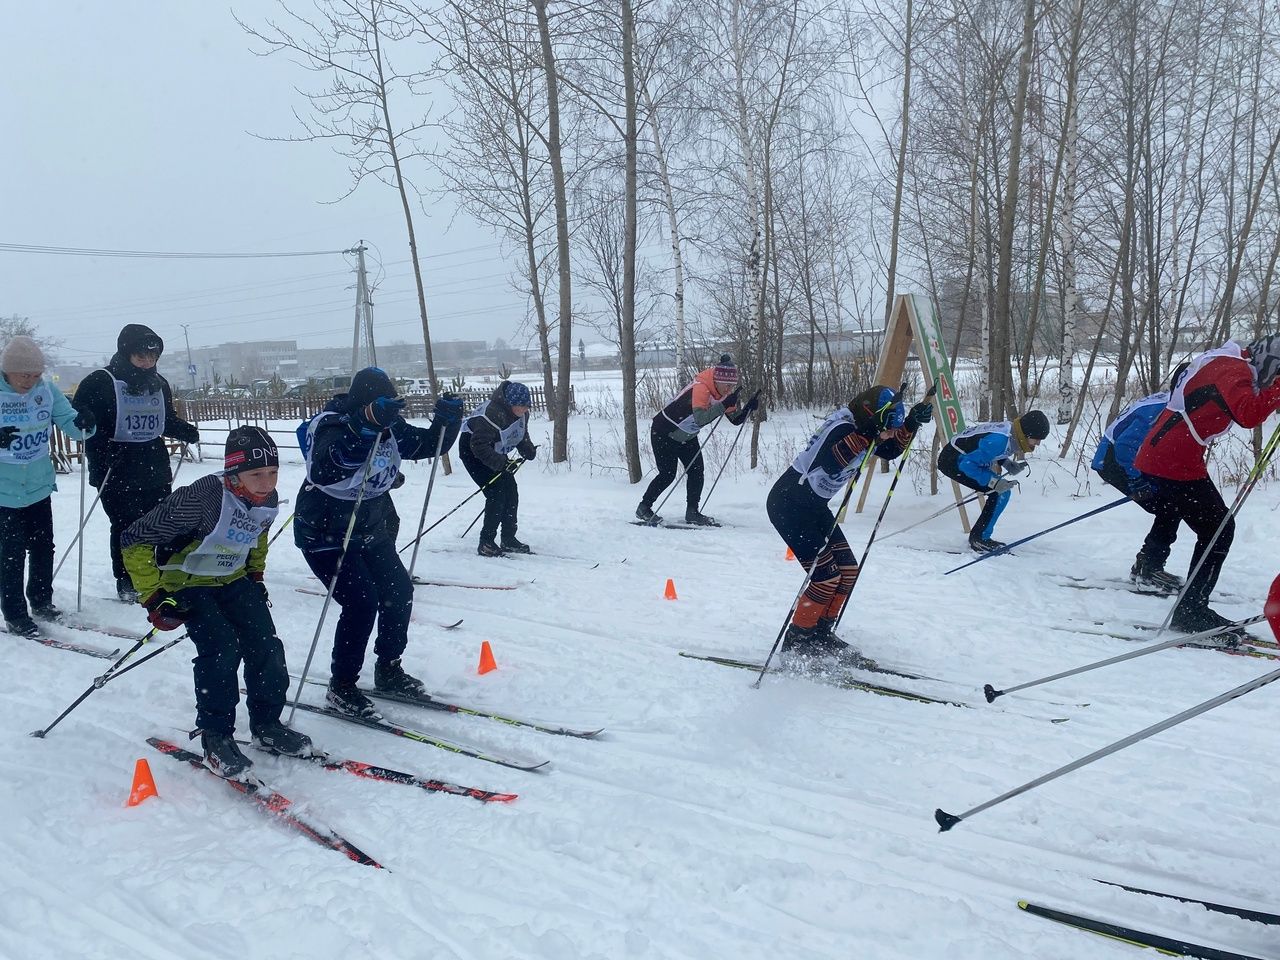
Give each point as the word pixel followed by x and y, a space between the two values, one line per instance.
pixel 127 126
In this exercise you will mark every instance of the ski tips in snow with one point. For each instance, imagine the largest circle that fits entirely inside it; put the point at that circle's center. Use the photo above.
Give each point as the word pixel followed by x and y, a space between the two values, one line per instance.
pixel 945 820
pixel 991 692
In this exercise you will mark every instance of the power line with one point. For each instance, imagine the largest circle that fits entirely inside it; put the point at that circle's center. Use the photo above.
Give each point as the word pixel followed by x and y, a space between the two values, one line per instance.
pixel 157 254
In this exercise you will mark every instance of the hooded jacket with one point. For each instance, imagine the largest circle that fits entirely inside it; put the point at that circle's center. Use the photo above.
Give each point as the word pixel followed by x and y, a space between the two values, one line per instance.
pixel 484 430
pixel 136 466
pixel 22 484
pixel 338 451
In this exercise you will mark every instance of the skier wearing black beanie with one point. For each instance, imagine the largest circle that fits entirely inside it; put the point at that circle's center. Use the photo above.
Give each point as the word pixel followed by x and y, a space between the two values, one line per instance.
pixel 975 458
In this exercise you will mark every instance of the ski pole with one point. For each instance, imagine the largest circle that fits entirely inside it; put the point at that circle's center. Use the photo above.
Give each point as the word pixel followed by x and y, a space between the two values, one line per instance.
pixel 182 458
pixel 729 456
pixel 83 523
pixel 1057 526
pixel 337 570
pixel 519 462
pixel 897 475
pixel 84 477
pixel 685 471
pixel 474 493
pixel 948 820
pixel 107 675
pixel 431 482
pixel 991 693
pixel 933 516
pixel 283 527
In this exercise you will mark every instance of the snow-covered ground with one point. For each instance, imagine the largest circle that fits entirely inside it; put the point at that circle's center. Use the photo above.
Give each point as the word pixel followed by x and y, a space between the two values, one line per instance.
pixel 712 820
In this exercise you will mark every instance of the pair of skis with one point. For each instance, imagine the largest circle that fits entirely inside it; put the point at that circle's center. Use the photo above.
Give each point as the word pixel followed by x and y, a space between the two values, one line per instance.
pixel 84 649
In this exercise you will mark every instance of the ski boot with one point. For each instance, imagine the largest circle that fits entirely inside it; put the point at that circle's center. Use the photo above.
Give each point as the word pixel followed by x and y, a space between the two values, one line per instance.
pixel 826 641
pixel 511 545
pixel 696 518
pixel 346 699
pixel 488 548
pixel 1146 575
pixel 389 677
pixel 645 513
pixel 125 591
pixel 275 737
pixel 985 544
pixel 48 613
pixel 1199 619
pixel 222 756
pixel 23 627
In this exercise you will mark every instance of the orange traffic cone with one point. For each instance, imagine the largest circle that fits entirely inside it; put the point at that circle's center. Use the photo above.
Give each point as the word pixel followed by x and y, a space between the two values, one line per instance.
pixel 670 592
pixel 143 784
pixel 790 554
pixel 487 663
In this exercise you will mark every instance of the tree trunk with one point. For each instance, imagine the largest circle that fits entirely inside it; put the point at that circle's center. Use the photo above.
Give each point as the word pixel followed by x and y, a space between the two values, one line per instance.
pixel 902 167
pixel 627 344
pixel 673 225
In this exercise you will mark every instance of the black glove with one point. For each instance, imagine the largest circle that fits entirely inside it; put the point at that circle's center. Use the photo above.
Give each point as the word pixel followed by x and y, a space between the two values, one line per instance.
pixel 919 415
pixel 514 464
pixel 731 400
pixel 1015 467
pixel 1001 484
pixel 1144 488
pixel 383 412
pixel 256 577
pixel 186 432
pixel 164 611
pixel 448 408
pixel 533 452
pixel 85 420
pixel 751 405
pixel 7 436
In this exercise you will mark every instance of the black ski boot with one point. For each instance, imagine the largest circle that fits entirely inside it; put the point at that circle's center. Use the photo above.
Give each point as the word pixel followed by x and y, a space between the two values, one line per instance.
pixel 125 591
pixel 645 512
pixel 511 545
pixel 25 627
pixel 222 755
pixel 275 737
pixel 1146 575
pixel 48 613
pixel 826 643
pixel 1199 619
pixel 985 544
pixel 698 519
pixel 799 641
pixel 345 698
pixel 488 548
pixel 389 677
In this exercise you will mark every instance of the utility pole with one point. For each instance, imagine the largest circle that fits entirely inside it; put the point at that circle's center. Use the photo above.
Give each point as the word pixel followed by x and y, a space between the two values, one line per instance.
pixel 191 367
pixel 364 314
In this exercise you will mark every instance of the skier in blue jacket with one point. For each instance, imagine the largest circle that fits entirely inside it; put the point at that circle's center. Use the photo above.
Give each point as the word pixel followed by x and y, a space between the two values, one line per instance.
pixel 976 457
pixel 29 406
pixel 1114 462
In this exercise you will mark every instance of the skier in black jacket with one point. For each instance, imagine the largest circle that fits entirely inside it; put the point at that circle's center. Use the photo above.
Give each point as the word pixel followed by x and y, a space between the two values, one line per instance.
pixel 133 407
pixel 373 584
pixel 488 438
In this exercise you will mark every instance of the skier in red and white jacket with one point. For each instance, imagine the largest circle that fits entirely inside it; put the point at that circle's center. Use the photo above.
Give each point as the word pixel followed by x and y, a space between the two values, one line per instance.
pixel 1229 386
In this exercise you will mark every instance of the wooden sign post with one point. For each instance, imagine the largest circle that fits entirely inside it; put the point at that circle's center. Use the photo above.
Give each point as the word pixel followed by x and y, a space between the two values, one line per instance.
pixel 914 323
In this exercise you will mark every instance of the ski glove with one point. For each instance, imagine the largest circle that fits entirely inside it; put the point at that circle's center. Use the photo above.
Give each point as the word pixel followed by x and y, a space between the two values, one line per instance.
pixel 1003 484
pixel 1015 467
pixel 85 420
pixel 533 454
pixel 1144 488
pixel 7 436
pixel 919 415
pixel 448 408
pixel 750 407
pixel 256 577
pixel 731 400
pixel 514 464
pixel 383 412
pixel 165 612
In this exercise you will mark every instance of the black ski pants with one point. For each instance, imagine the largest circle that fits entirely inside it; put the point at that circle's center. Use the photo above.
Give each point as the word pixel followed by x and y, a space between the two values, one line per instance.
pixel 668 454
pixel 804 520
pixel 123 505
pixel 1164 526
pixel 373 587
pixel 1199 505
pixel 501 497
pixel 993 505
pixel 229 625
pixel 26 538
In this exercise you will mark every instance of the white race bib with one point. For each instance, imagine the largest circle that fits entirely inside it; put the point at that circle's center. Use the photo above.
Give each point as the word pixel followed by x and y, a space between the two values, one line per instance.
pixel 32 414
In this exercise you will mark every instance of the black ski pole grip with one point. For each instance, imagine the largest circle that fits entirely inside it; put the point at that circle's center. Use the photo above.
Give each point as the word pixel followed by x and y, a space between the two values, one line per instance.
pixel 991 693
pixel 945 820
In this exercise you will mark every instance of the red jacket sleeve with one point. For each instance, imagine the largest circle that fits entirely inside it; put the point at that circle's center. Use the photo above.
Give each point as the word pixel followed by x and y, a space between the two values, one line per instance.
pixel 1248 408
pixel 1272 609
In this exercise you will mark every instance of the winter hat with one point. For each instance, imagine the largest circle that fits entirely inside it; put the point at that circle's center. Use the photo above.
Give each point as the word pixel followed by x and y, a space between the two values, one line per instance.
pixel 1264 357
pixel 516 394
pixel 1035 425
pixel 725 371
pixel 875 409
pixel 22 355
pixel 249 448
pixel 368 385
pixel 136 338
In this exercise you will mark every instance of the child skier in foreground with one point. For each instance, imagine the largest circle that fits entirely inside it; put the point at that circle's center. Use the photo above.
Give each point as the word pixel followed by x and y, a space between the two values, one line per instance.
pixel 198 559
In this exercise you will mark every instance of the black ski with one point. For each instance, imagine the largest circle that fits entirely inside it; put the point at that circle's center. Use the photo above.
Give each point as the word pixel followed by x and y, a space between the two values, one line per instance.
pixel 663 525
pixel 370 771
pixel 463 585
pixel 118 632
pixel 1137 938
pixel 274 803
pixel 1116 583
pixel 1258 916
pixel 88 651
pixel 434 703
pixel 428 738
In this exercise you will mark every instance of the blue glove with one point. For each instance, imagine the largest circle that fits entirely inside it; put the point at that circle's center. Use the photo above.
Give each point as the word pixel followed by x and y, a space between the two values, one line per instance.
pixel 383 412
pixel 448 408
pixel 1144 488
